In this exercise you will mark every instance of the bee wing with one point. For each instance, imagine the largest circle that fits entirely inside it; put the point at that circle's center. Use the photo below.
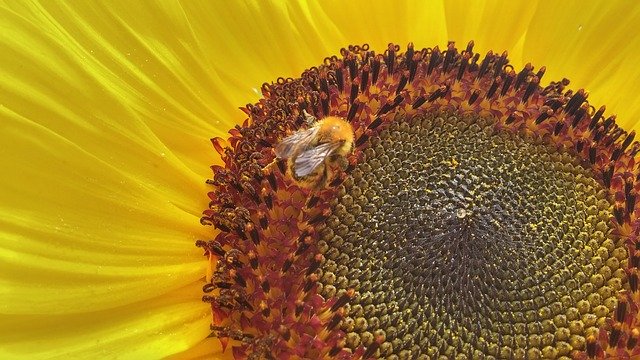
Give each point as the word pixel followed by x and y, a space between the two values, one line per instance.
pixel 310 159
pixel 287 146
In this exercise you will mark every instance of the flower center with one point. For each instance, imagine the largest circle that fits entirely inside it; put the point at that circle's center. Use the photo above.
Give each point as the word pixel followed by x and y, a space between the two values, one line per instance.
pixel 425 204
pixel 461 241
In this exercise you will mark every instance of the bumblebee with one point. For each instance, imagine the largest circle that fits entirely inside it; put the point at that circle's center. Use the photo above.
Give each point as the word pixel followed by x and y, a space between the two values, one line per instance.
pixel 312 153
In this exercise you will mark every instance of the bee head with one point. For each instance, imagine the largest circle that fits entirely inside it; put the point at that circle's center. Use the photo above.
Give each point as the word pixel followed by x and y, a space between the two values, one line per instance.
pixel 336 129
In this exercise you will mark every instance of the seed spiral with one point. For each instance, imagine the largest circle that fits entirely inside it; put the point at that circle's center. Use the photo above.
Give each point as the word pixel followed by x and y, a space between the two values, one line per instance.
pixel 464 243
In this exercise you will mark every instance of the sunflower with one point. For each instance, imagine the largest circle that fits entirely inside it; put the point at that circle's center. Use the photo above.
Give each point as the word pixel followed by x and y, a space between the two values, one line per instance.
pixel 106 115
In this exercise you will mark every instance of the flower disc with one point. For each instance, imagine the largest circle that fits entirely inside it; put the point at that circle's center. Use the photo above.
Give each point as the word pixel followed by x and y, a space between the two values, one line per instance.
pixel 479 215
pixel 465 242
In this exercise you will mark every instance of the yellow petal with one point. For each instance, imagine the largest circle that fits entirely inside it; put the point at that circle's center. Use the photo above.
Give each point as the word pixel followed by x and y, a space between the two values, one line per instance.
pixel 105 151
pixel 595 47
pixel 492 25
pixel 144 330
pixel 379 23
pixel 204 351
pixel 95 217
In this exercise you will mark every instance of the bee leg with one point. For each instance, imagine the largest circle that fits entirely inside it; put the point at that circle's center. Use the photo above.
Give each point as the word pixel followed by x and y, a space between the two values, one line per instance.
pixel 276 163
pixel 322 181
pixel 341 162
pixel 269 167
pixel 308 118
pixel 270 174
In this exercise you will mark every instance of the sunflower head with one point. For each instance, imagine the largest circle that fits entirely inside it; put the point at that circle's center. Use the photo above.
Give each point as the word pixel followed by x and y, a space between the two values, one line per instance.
pixel 479 215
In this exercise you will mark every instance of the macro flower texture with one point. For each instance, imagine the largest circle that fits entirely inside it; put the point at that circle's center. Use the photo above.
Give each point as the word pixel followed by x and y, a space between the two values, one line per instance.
pixel 319 180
